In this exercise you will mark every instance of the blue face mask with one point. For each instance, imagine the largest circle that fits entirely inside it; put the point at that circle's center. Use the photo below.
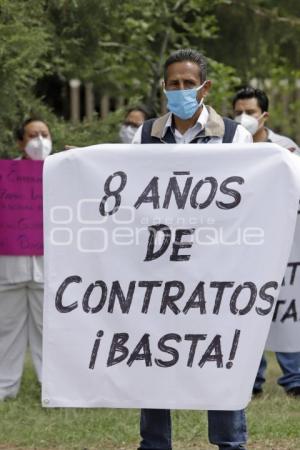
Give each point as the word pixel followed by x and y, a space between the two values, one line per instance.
pixel 183 102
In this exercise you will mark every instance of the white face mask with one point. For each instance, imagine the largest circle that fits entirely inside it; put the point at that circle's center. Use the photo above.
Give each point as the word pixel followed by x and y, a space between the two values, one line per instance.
pixel 127 133
pixel 38 148
pixel 249 122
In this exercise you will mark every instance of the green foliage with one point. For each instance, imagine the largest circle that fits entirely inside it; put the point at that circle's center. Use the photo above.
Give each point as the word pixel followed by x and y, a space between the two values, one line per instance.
pixel 87 132
pixel 24 48
pixel 259 39
pixel 149 31
pixel 124 49
pixel 224 81
pixel 121 48
pixel 256 36
pixel 284 94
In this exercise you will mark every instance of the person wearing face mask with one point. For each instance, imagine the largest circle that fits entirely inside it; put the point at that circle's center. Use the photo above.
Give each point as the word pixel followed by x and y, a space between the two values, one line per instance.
pixel 134 118
pixel 34 139
pixel 250 107
pixel 21 285
pixel 190 121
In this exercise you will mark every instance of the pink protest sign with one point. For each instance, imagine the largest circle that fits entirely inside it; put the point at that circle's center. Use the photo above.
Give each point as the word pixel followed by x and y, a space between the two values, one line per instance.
pixel 21 207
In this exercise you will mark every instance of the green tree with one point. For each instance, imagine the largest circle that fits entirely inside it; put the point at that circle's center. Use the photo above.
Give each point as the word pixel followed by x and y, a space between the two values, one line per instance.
pixel 260 40
pixel 25 44
pixel 121 46
pixel 257 36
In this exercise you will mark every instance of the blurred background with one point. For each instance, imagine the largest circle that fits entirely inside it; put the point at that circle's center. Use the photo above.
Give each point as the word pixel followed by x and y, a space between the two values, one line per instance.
pixel 80 63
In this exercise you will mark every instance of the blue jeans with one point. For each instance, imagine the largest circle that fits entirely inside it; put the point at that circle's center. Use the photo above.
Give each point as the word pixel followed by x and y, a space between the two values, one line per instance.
pixel 227 429
pixel 290 366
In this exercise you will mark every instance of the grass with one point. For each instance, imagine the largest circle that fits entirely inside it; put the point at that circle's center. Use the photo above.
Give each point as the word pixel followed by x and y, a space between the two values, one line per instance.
pixel 273 422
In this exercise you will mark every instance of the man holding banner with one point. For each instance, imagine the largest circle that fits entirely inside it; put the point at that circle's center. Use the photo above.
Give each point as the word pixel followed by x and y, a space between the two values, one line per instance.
pixel 21 260
pixel 251 109
pixel 190 121
pixel 161 271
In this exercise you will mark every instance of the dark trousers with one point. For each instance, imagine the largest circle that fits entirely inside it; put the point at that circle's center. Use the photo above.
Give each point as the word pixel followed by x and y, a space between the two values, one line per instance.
pixel 226 429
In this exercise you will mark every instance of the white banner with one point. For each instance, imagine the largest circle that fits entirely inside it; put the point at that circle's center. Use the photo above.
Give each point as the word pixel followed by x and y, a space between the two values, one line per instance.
pixel 284 335
pixel 162 267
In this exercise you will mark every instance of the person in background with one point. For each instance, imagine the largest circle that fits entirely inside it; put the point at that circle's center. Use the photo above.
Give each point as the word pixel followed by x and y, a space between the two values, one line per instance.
pixel 134 118
pixel 250 107
pixel 34 139
pixel 21 285
pixel 190 121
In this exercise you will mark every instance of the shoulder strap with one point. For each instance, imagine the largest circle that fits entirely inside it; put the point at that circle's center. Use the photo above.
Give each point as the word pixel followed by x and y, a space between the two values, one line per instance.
pixel 230 129
pixel 146 131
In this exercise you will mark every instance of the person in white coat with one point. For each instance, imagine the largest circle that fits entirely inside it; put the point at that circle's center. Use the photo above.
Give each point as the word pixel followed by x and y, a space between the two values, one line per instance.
pixel 21 285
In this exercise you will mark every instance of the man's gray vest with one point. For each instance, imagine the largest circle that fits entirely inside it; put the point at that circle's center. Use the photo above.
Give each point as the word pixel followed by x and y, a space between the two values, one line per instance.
pixel 153 130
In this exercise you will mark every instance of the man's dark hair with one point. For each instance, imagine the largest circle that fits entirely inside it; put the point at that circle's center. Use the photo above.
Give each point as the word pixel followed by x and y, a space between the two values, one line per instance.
pixel 20 131
pixel 187 54
pixel 250 92
pixel 140 108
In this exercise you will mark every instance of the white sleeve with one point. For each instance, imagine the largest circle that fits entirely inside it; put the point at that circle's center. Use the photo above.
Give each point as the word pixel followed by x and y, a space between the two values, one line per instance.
pixel 137 138
pixel 242 135
pixel 287 143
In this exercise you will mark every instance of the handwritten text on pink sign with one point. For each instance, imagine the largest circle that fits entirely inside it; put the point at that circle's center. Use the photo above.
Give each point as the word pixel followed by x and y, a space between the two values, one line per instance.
pixel 21 207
